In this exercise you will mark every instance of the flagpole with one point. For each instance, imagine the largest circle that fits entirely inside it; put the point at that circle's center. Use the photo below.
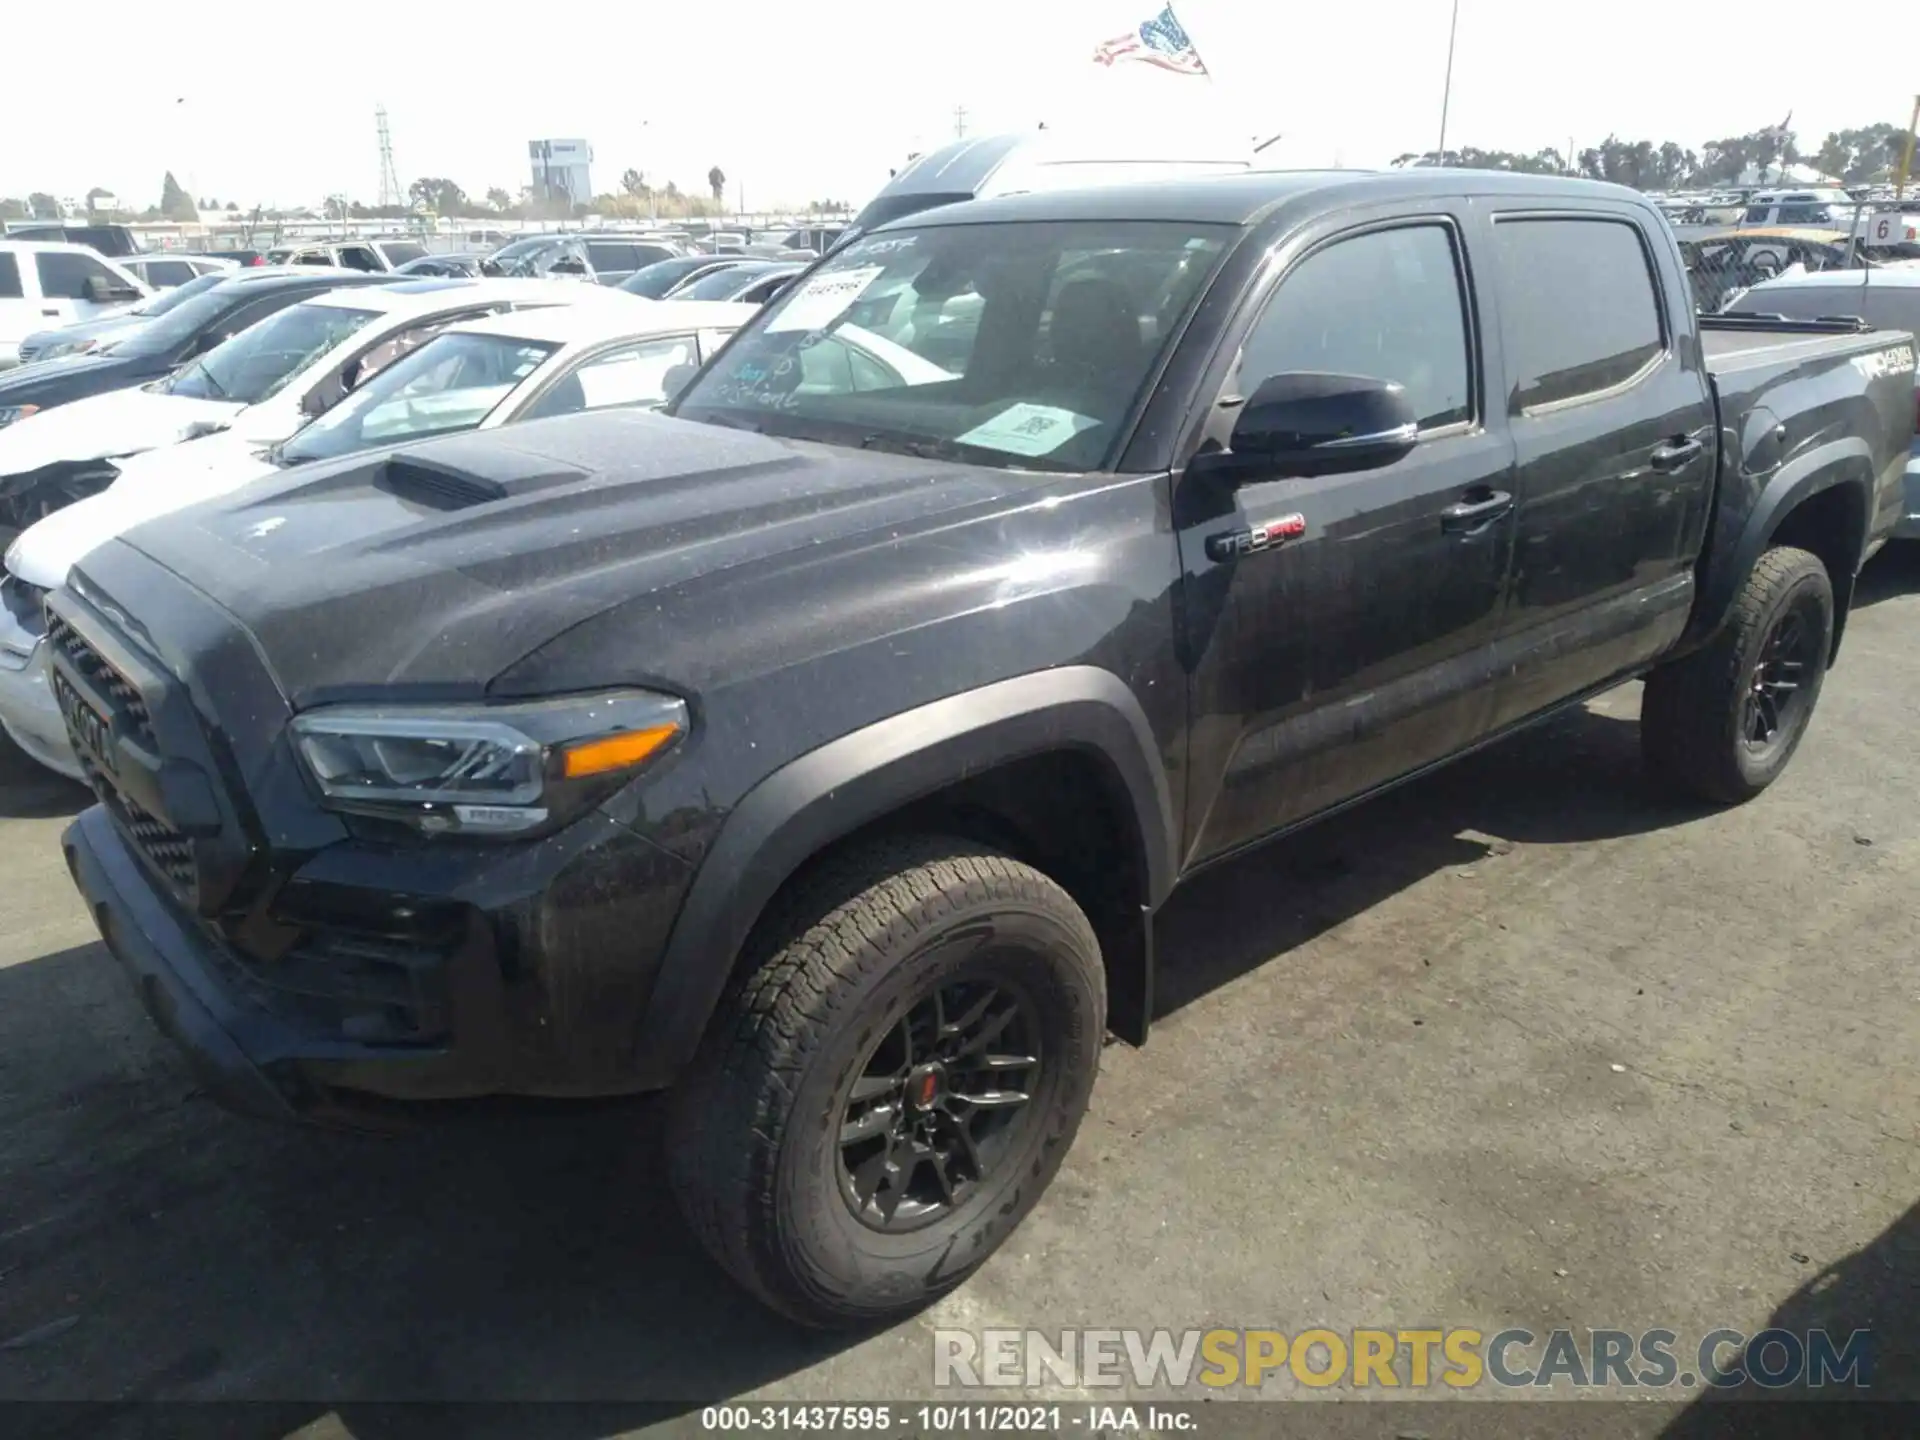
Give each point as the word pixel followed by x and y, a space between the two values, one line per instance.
pixel 1446 90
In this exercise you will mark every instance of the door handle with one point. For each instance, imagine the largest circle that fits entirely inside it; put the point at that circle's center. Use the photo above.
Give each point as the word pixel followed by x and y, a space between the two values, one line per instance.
pixel 1675 455
pixel 1470 515
pixel 54 313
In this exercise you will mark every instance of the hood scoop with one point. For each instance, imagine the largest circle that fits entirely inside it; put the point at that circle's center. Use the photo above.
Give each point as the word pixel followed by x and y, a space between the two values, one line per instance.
pixel 443 486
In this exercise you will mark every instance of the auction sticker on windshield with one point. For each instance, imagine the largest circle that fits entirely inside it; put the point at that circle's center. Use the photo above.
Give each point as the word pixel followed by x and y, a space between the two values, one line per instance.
pixel 1025 429
pixel 823 299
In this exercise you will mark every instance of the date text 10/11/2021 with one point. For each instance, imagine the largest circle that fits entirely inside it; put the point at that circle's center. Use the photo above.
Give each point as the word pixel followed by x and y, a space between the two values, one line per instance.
pixel 1090 1420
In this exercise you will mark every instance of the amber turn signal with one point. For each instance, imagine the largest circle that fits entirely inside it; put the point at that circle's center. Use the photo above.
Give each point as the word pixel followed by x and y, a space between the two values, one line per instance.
pixel 615 752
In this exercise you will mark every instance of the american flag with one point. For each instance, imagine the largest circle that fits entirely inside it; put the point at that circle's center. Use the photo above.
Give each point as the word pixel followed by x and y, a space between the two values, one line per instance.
pixel 1161 41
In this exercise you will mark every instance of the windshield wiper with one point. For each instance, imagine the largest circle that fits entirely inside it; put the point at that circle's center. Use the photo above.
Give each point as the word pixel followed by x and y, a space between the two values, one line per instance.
pixel 731 422
pixel 920 449
pixel 219 390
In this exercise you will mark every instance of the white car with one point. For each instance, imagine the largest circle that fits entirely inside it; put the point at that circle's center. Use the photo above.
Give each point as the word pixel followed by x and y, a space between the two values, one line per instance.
pixel 372 255
pixel 47 283
pixel 478 376
pixel 238 399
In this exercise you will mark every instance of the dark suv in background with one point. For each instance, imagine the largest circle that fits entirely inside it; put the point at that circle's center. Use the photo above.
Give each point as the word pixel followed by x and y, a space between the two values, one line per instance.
pixel 606 258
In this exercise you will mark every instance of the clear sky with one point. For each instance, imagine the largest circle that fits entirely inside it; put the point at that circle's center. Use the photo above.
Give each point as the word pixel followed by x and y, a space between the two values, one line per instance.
pixel 815 101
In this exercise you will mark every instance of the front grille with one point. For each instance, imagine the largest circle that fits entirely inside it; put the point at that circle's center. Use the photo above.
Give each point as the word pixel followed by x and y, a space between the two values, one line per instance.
pixel 25 603
pixel 127 701
pixel 166 849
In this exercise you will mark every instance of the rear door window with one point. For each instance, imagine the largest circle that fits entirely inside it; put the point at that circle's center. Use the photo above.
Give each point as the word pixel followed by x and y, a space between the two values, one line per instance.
pixel 1578 306
pixel 168 272
pixel 10 278
pixel 610 257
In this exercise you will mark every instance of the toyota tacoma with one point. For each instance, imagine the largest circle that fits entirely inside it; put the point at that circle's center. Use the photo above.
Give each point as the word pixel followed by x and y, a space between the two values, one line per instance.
pixel 821 752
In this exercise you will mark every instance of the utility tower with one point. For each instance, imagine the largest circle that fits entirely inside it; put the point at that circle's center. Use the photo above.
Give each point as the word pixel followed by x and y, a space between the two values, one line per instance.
pixel 390 191
pixel 959 122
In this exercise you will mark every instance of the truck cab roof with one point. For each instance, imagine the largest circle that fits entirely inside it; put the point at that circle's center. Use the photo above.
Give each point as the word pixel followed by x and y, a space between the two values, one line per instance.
pixel 1251 196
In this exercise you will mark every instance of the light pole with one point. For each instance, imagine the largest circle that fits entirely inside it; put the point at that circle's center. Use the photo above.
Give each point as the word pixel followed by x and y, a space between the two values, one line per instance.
pixel 1446 90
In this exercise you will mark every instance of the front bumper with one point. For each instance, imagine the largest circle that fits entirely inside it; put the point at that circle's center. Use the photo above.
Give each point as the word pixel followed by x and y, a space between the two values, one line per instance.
pixel 27 710
pixel 304 967
pixel 231 1052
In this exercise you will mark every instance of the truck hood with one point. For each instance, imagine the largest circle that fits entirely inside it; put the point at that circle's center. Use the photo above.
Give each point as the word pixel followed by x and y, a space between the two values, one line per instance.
pixel 433 568
pixel 121 422
pixel 155 483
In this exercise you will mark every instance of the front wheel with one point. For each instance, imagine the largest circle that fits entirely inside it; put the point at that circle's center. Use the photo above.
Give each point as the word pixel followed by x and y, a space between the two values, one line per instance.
pixel 1723 722
pixel 894 1082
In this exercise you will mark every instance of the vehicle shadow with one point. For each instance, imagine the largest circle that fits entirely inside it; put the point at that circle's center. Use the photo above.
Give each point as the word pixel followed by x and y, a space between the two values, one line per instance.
pixel 1876 1289
pixel 30 791
pixel 1573 779
pixel 1895 571
pixel 155 1248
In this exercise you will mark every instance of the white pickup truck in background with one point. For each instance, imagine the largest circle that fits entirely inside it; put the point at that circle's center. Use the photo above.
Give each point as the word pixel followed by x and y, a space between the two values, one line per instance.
pixel 47 283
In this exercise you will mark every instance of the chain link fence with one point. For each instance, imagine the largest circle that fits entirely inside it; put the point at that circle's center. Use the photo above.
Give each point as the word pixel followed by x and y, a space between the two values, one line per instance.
pixel 1734 247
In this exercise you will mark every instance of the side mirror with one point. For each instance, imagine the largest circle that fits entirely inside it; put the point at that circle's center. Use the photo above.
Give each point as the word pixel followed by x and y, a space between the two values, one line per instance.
pixel 676 378
pixel 1314 424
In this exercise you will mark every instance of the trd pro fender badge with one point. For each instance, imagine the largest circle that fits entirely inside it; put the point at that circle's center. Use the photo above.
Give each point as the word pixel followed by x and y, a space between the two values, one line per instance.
pixel 1232 544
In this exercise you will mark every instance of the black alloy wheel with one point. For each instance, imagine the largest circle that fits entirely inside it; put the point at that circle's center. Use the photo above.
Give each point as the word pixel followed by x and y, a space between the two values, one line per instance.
pixel 942 1097
pixel 1775 693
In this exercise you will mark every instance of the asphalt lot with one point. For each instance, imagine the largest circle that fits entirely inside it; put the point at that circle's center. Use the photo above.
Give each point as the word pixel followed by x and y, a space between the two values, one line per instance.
pixel 1522 1044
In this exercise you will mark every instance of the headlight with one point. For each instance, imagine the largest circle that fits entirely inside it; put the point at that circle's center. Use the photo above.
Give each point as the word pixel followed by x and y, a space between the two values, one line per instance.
pixel 485 769
pixel 11 413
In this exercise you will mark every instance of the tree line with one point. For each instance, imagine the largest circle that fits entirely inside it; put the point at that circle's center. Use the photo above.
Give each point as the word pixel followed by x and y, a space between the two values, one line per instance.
pixel 1868 155
pixel 1865 156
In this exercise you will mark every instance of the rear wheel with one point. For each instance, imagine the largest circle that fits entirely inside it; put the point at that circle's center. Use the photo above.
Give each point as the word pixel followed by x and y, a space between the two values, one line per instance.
pixel 893 1083
pixel 1724 721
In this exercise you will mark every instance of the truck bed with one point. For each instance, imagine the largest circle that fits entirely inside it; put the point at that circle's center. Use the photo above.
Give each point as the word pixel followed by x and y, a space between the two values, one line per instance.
pixel 1809 381
pixel 1733 347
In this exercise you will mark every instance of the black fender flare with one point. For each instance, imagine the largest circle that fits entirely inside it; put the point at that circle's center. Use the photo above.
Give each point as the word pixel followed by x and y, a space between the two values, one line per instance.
pixel 1844 462
pixel 830 792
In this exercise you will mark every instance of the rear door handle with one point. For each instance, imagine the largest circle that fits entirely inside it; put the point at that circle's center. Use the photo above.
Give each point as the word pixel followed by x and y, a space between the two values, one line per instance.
pixel 54 313
pixel 1472 514
pixel 1675 455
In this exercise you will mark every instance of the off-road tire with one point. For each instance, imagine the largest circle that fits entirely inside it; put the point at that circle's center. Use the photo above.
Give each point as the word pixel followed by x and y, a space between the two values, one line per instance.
pixel 1692 713
pixel 753 1138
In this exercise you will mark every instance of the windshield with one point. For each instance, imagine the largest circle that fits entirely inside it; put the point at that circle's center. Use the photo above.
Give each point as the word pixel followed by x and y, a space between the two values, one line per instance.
pixel 259 360
pixel 525 257
pixel 399 252
pixel 1021 344
pixel 723 284
pixel 184 321
pixel 450 383
pixel 167 300
pixel 655 280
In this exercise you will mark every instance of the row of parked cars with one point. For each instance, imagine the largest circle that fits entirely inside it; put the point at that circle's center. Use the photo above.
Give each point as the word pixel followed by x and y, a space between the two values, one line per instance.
pixel 822 743
pixel 262 369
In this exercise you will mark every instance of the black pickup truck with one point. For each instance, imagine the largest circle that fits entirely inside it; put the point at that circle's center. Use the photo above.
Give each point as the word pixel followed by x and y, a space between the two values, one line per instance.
pixel 824 751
